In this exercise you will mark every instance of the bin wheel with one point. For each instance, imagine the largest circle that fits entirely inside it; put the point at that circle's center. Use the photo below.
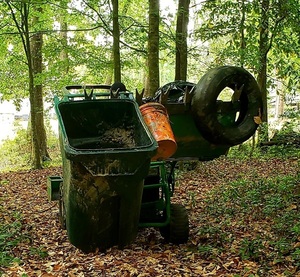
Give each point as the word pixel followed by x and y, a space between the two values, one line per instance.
pixel 178 230
pixel 62 212
pixel 205 105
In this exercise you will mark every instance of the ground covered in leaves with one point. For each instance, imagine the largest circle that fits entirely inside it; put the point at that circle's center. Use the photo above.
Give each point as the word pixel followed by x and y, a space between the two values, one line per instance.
pixel 244 221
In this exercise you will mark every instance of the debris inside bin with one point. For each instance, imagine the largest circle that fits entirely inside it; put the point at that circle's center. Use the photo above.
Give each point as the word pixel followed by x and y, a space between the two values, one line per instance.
pixel 117 138
pixel 114 137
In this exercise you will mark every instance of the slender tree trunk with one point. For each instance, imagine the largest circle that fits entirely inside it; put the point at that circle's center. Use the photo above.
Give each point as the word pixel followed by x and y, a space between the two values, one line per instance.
pixel 33 54
pixel 242 55
pixel 242 34
pixel 263 52
pixel 262 71
pixel 37 67
pixel 181 39
pixel 110 70
pixel 64 56
pixel 37 64
pixel 279 104
pixel 36 160
pixel 116 41
pixel 153 48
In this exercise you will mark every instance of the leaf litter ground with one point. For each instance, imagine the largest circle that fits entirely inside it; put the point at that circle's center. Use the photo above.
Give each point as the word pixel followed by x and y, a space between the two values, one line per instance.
pixel 212 250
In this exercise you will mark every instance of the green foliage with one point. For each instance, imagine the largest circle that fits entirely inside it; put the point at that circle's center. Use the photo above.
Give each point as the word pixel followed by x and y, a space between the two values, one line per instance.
pixel 270 202
pixel 77 47
pixel 15 153
pixel 246 150
pixel 53 147
pixel 289 132
pixel 288 146
pixel 208 251
pixel 40 252
pixel 231 32
pixel 10 236
pixel 251 249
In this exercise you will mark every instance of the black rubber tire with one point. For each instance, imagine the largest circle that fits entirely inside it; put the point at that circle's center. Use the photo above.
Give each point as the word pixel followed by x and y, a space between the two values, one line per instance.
pixel 204 105
pixel 177 231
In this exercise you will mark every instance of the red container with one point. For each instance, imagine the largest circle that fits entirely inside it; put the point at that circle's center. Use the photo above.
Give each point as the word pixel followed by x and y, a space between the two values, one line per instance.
pixel 156 118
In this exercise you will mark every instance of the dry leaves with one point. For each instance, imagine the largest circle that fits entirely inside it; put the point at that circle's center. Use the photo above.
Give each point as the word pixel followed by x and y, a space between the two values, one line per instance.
pixel 46 251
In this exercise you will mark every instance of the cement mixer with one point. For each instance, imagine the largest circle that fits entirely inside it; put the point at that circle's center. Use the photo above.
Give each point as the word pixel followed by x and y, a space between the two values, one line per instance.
pixel 120 149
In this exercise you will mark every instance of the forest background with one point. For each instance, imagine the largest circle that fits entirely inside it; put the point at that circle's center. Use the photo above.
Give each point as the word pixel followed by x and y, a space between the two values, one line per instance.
pixel 46 45
pixel 243 212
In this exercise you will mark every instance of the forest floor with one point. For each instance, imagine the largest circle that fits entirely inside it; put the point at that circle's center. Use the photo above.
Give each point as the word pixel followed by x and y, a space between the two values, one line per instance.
pixel 224 239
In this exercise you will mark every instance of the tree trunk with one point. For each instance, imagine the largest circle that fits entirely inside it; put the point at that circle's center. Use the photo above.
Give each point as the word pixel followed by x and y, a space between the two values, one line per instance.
pixel 33 52
pixel 181 39
pixel 242 34
pixel 279 106
pixel 153 48
pixel 36 160
pixel 116 41
pixel 63 34
pixel 110 70
pixel 37 67
pixel 262 70
pixel 64 56
pixel 263 53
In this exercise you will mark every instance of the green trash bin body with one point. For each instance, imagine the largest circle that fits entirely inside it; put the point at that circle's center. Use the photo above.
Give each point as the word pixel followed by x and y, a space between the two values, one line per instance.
pixel 106 151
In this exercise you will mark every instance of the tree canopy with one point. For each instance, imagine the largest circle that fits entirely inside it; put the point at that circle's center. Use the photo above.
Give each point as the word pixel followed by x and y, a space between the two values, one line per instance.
pixel 78 40
pixel 219 32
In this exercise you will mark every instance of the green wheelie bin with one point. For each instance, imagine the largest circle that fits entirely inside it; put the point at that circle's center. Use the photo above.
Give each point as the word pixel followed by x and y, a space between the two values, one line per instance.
pixel 106 152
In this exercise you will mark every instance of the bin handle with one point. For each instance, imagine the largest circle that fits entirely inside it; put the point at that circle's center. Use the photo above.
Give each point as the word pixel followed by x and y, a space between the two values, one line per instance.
pixel 86 95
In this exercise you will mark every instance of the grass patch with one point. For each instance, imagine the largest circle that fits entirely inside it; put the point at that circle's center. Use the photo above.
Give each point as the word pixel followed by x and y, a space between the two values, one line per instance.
pixel 245 150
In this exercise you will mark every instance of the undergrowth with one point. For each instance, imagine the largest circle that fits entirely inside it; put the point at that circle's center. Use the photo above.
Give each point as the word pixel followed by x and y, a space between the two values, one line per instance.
pixel 10 236
pixel 15 154
pixel 256 220
pixel 288 144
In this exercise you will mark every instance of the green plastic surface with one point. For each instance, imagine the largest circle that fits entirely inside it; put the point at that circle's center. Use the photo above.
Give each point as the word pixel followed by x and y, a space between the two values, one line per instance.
pixel 106 151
